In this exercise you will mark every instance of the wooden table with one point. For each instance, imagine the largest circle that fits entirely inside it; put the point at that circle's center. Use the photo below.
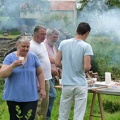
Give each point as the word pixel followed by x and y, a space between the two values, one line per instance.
pixel 58 87
pixel 100 106
pixel 97 92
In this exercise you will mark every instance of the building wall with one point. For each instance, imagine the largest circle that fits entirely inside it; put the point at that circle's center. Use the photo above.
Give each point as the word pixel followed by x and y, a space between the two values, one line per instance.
pixel 65 7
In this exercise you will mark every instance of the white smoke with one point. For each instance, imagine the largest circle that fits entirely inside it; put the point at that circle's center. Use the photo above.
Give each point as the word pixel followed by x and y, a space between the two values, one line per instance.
pixel 103 20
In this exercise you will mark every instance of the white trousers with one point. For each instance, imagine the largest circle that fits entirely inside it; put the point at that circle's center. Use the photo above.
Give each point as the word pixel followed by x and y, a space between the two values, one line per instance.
pixel 76 94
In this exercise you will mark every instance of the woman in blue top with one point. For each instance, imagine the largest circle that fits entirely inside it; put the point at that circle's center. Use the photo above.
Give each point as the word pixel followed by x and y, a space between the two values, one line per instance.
pixel 22 77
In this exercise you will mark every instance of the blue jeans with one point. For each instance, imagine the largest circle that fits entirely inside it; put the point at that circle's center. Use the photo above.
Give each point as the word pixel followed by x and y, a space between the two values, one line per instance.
pixel 52 96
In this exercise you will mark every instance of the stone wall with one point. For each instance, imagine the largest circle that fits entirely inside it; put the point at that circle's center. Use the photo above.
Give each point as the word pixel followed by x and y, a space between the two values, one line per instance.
pixel 6 45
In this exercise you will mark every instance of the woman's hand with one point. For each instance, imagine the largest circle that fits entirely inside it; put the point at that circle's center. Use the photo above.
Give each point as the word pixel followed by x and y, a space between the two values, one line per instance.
pixel 42 93
pixel 17 63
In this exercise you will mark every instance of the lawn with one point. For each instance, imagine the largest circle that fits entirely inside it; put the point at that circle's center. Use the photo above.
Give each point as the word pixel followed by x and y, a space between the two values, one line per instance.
pixel 106 98
pixel 11 34
pixel 111 112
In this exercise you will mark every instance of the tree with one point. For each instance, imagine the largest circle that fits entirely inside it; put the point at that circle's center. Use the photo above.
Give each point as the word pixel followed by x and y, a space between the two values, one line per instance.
pixel 81 4
pixel 110 3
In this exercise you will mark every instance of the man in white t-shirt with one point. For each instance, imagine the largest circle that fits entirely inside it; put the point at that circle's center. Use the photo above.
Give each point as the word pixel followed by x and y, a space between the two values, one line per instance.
pixel 37 46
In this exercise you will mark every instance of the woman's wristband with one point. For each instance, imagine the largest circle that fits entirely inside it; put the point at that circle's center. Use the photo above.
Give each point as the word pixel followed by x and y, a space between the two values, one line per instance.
pixel 42 89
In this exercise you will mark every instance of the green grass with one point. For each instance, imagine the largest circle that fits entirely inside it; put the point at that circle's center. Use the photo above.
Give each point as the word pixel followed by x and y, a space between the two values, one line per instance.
pixel 55 111
pixel 4 18
pixel 10 35
pixel 4 111
pixel 108 116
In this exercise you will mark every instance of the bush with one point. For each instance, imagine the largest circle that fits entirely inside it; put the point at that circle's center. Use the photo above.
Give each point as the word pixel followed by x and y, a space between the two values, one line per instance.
pixel 111 106
pixel 1 84
pixel 106 56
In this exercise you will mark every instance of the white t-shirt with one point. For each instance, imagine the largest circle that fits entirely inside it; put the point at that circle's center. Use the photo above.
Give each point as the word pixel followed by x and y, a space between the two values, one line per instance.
pixel 40 50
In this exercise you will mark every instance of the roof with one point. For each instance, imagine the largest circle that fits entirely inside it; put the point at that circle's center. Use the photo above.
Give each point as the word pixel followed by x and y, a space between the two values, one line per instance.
pixel 54 5
pixel 63 4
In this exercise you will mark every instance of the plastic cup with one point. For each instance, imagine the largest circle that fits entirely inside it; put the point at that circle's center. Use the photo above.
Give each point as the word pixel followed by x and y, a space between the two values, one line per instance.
pixel 21 58
pixel 60 81
pixel 94 80
pixel 107 77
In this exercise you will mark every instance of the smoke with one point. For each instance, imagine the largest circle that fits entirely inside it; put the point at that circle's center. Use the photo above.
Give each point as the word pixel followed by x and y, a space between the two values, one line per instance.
pixel 103 20
pixel 10 13
pixel 25 14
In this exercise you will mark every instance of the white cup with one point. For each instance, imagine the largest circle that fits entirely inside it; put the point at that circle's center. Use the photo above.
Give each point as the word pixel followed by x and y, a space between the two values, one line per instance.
pixel 107 77
pixel 94 80
pixel 60 81
pixel 21 58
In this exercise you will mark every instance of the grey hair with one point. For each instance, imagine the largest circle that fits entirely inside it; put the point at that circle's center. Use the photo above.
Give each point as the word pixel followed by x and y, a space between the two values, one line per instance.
pixel 52 31
pixel 22 39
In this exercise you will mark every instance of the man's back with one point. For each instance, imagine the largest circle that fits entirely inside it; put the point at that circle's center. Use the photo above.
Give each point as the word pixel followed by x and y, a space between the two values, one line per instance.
pixel 74 58
pixel 73 52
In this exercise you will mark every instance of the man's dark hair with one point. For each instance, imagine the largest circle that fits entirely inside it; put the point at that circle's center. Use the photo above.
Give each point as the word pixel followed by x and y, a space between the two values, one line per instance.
pixel 83 28
pixel 37 28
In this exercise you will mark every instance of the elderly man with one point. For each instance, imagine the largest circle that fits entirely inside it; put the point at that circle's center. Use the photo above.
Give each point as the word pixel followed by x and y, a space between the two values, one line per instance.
pixel 50 41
